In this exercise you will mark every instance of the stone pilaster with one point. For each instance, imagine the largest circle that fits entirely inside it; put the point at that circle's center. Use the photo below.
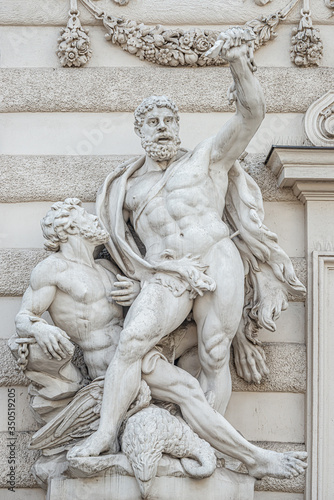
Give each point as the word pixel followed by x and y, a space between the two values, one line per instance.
pixel 310 173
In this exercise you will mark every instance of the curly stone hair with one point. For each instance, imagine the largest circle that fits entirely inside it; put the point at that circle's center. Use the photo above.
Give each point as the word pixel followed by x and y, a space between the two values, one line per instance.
pixel 149 103
pixel 56 221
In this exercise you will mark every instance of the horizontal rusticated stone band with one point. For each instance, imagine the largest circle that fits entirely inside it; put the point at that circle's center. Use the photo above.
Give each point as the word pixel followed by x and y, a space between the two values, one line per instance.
pixel 122 89
pixel 287 363
pixel 15 269
pixel 25 459
pixel 49 12
pixel 10 373
pixel 16 266
pixel 52 178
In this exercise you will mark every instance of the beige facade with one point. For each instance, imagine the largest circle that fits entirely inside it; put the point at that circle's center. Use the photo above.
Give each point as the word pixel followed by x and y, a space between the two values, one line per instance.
pixel 62 130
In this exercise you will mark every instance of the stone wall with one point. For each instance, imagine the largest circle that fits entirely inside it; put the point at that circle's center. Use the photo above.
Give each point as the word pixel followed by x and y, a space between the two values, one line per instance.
pixel 63 129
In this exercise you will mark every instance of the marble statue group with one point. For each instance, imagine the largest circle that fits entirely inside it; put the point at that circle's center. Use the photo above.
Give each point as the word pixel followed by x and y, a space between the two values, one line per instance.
pixel 176 267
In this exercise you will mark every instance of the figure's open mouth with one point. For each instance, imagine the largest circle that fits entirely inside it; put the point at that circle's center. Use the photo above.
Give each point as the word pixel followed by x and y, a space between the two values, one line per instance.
pixel 164 139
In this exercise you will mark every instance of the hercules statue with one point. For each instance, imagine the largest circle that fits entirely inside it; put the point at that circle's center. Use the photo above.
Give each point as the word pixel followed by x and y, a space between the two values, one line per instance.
pixel 199 217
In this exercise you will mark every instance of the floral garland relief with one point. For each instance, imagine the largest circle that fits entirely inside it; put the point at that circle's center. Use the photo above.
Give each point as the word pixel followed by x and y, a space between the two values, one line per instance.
pixel 159 45
pixel 307 48
pixel 74 43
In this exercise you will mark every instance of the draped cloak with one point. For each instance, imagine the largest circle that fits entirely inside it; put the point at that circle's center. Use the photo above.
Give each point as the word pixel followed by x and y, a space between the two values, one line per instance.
pixel 269 273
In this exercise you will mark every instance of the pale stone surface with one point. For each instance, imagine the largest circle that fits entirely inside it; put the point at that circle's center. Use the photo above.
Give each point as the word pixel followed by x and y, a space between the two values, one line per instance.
pixel 295 485
pixel 24 459
pixel 107 134
pixel 307 178
pixel 290 326
pixel 41 12
pixel 282 128
pixel 23 494
pixel 319 121
pixel 83 233
pixel 15 268
pixel 77 256
pixel 10 373
pixel 271 416
pixel 47 90
pixel 287 364
pixel 299 264
pixel 21 221
pixel 24 420
pixel 76 179
pixel 17 264
pixel 234 486
pixel 311 166
pixel 59 9
pixel 21 224
pixel 74 171
pixel 286 361
pixel 287 221
pixel 34 46
pixel 9 307
pixel 321 346
pixel 265 179
pixel 259 495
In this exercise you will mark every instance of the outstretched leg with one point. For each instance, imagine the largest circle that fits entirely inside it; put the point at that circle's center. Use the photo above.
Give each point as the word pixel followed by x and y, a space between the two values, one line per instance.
pixel 172 384
pixel 154 314
pixel 217 316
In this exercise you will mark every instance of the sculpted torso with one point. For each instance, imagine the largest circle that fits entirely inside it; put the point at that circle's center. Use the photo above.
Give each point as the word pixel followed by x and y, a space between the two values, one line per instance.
pixel 185 215
pixel 83 308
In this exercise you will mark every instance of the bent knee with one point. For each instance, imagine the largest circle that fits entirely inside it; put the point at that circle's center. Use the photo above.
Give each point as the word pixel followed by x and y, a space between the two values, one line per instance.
pixel 215 355
pixel 131 346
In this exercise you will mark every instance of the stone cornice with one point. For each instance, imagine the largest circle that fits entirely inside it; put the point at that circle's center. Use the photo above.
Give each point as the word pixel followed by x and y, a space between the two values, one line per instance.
pixel 308 170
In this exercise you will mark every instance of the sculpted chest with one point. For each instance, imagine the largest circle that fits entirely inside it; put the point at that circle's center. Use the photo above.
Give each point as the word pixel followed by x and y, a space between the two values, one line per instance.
pixel 83 284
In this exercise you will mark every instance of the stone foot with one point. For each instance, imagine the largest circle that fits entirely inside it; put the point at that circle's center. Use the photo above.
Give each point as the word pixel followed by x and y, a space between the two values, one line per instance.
pixel 280 465
pixel 93 446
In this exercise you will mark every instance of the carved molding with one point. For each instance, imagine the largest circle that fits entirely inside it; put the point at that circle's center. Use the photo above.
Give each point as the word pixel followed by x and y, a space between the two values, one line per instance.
pixel 319 121
pixel 309 171
pixel 177 47
pixel 320 396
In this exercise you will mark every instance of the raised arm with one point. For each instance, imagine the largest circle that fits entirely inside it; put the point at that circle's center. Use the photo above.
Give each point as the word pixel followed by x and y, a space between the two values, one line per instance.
pixel 38 297
pixel 235 45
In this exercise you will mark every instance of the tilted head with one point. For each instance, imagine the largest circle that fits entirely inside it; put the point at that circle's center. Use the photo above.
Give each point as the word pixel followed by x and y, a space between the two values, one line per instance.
pixel 70 218
pixel 157 124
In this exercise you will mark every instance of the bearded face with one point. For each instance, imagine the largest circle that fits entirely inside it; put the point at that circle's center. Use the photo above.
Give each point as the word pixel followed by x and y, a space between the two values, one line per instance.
pixel 160 134
pixel 161 152
pixel 95 235
pixel 89 228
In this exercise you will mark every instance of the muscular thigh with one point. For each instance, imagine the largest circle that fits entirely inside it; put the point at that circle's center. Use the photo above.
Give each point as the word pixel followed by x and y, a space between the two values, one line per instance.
pixel 221 310
pixel 156 312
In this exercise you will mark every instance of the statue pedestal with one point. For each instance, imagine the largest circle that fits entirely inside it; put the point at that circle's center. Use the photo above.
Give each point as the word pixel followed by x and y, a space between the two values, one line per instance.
pixel 222 485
